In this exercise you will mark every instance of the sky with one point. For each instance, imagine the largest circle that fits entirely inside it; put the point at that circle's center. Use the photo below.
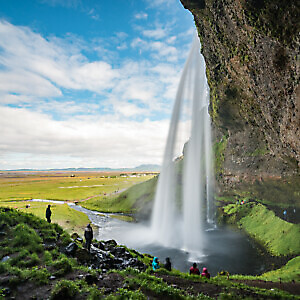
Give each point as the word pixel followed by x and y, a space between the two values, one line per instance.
pixel 89 83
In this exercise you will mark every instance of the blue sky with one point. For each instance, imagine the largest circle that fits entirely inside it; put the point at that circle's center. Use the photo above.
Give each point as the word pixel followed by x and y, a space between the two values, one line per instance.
pixel 86 83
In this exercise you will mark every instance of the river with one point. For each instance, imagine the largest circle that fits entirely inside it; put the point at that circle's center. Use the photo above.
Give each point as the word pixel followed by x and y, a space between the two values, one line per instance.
pixel 225 248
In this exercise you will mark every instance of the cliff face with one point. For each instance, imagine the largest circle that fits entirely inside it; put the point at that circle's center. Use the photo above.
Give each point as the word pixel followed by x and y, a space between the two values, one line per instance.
pixel 251 49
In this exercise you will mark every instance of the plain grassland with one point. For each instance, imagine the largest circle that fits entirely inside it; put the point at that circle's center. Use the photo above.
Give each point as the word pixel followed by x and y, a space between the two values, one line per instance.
pixel 18 187
pixel 65 186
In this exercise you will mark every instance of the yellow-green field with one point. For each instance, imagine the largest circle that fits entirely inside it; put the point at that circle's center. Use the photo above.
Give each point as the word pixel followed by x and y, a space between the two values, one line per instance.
pixel 61 186
pixel 17 187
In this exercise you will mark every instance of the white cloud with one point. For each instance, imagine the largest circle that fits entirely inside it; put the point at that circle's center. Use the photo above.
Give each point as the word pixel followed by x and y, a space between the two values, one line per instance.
pixel 29 57
pixel 99 141
pixel 141 16
pixel 157 49
pixel 107 117
pixel 157 33
pixel 161 3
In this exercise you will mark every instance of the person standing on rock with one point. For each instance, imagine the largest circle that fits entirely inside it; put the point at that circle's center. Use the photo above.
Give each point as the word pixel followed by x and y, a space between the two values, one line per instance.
pixel 48 214
pixel 88 235
pixel 168 265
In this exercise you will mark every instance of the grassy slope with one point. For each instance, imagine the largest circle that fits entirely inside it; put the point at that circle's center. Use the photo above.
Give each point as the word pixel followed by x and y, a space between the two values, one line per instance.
pixel 71 220
pixel 31 266
pixel 131 200
pixel 278 236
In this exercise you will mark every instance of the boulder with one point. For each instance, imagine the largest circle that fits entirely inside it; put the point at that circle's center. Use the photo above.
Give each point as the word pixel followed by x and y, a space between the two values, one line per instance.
pixel 91 279
pixel 71 249
pixel 49 246
pixel 83 256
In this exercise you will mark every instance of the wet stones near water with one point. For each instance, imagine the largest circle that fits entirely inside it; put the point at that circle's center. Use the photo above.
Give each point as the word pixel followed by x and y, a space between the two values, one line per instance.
pixel 71 249
pixel 106 255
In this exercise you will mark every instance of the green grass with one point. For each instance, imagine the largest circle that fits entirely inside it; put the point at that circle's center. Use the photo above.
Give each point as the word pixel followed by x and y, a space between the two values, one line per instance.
pixel 30 263
pixel 54 186
pixel 278 236
pixel 289 272
pixel 131 200
pixel 70 219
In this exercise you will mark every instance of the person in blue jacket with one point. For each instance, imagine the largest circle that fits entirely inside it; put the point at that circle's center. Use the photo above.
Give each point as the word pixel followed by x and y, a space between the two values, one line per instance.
pixel 155 264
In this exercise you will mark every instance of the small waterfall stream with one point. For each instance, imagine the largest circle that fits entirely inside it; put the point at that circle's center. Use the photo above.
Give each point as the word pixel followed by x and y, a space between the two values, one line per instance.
pixel 179 214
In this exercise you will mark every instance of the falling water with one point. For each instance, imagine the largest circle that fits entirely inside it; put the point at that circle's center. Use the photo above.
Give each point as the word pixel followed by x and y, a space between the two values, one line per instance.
pixel 180 223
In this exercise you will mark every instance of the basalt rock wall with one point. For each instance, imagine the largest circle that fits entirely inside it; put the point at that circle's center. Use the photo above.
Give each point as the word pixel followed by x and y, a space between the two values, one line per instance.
pixel 251 49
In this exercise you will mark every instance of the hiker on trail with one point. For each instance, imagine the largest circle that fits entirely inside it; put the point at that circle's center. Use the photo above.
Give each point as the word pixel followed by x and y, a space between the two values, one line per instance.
pixel 88 235
pixel 194 270
pixel 48 214
pixel 155 264
pixel 168 264
pixel 205 273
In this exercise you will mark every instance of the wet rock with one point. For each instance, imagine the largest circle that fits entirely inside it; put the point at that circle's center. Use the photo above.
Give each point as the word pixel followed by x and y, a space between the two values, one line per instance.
pixel 101 246
pixel 3 226
pixel 71 249
pixel 75 236
pixel 2 234
pixel 118 251
pixel 134 263
pixel 83 256
pixel 91 279
pixel 6 291
pixel 5 258
pixel 49 246
pixel 109 245
pixel 79 239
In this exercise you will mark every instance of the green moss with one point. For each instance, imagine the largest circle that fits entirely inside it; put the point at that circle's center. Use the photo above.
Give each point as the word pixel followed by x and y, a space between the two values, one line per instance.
pixel 219 153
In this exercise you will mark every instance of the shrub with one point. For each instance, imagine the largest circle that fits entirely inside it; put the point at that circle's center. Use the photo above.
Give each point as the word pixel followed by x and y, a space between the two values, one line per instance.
pixel 24 236
pixel 3 267
pixel 32 260
pixel 47 258
pixel 64 289
pixel 63 266
pixel 39 276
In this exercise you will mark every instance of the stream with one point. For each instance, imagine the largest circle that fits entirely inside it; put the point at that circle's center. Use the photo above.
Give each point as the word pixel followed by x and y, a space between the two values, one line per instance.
pixel 224 249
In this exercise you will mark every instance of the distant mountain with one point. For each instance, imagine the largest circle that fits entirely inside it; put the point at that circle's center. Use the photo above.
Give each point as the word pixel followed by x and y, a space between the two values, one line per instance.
pixel 141 168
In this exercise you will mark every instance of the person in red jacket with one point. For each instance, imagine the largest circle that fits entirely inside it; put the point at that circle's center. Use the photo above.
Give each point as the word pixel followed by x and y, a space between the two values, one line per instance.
pixel 205 273
pixel 194 270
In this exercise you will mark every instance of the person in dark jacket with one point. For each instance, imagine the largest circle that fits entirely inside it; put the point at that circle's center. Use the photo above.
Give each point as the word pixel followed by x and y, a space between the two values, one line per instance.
pixel 48 214
pixel 205 273
pixel 194 270
pixel 88 235
pixel 168 265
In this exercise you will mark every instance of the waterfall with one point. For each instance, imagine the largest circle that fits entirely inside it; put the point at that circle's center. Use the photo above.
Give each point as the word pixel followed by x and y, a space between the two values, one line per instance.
pixel 184 195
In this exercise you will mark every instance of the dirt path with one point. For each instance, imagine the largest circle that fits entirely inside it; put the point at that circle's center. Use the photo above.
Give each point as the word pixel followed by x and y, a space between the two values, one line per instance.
pixel 212 290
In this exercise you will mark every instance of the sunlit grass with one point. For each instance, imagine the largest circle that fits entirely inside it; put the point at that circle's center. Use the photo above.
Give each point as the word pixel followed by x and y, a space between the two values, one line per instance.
pixel 71 220
pixel 64 187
